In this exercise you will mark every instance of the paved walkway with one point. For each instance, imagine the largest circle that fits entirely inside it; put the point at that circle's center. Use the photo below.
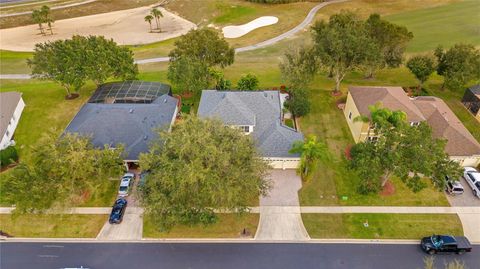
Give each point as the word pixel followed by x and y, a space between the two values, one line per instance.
pixel 52 8
pixel 275 222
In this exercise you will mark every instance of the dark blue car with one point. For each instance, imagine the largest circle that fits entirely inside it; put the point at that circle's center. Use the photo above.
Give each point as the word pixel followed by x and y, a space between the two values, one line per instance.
pixel 117 211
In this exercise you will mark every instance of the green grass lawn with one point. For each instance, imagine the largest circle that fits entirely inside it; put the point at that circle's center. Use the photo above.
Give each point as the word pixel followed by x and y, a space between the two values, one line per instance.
pixel 381 226
pixel 47 110
pixel 444 25
pixel 228 226
pixel 53 225
pixel 12 62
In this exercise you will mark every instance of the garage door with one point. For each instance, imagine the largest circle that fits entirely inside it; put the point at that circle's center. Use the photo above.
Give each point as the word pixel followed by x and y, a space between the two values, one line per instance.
pixel 284 164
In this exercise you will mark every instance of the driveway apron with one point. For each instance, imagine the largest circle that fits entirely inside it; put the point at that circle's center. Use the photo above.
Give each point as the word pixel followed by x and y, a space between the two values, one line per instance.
pixel 131 227
pixel 280 217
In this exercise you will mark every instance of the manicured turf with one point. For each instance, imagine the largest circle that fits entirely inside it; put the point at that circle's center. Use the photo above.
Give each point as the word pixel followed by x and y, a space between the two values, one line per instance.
pixel 14 62
pixel 229 12
pixel 444 25
pixel 228 226
pixel 381 226
pixel 46 109
pixel 53 225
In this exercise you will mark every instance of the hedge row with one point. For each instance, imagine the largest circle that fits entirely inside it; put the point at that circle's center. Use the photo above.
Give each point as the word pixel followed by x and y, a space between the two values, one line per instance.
pixel 8 156
pixel 281 1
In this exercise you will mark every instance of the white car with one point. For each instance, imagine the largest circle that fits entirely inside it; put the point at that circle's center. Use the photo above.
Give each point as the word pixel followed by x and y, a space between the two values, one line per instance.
pixel 472 176
pixel 126 184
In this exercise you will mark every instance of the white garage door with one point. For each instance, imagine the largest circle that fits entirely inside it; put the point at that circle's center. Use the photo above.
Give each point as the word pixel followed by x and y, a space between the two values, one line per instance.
pixel 284 163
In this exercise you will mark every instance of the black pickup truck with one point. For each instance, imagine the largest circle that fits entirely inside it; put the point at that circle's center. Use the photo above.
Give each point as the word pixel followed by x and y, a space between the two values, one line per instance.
pixel 446 243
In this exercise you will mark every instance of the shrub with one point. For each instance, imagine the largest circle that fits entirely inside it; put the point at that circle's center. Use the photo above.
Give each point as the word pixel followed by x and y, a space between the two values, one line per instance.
pixel 248 82
pixel 8 156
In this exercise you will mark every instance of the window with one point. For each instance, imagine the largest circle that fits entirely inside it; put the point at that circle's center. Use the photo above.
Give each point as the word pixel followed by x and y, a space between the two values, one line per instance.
pixel 350 115
pixel 372 138
pixel 414 123
pixel 245 129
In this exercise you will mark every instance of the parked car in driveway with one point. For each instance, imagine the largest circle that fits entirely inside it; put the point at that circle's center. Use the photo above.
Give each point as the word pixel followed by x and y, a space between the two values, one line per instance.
pixel 472 176
pixel 118 210
pixel 453 187
pixel 126 184
pixel 446 243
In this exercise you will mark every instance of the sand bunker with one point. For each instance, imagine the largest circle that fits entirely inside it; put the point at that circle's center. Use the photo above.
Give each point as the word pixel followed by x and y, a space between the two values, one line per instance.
pixel 126 27
pixel 240 30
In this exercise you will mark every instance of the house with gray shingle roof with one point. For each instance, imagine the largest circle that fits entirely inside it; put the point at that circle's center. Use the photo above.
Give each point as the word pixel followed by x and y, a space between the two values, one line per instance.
pixel 126 113
pixel 256 113
pixel 461 145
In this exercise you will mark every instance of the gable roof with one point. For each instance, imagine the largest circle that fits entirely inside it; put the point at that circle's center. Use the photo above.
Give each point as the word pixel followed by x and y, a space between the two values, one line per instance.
pixel 444 123
pixel 393 98
pixel 8 103
pixel 262 109
pixel 120 123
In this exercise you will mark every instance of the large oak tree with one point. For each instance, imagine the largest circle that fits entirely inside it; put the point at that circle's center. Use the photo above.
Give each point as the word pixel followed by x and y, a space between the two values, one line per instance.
pixel 195 53
pixel 72 62
pixel 62 172
pixel 343 44
pixel 197 168
pixel 409 152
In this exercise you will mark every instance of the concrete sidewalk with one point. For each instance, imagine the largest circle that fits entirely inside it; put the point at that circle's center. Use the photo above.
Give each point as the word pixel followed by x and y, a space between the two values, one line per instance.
pixel 75 210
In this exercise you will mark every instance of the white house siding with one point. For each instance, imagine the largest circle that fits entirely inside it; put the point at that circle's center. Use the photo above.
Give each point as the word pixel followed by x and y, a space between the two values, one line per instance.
pixel 7 137
pixel 283 163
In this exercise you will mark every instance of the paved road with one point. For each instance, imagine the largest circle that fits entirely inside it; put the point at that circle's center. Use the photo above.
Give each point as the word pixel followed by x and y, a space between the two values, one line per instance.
pixel 218 255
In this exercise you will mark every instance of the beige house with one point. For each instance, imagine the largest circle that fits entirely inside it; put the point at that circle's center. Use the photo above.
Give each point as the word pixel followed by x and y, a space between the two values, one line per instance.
pixel 461 145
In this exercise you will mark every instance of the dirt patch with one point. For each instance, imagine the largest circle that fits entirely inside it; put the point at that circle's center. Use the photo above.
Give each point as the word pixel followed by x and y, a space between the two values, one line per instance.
pixel 388 189
pixel 126 27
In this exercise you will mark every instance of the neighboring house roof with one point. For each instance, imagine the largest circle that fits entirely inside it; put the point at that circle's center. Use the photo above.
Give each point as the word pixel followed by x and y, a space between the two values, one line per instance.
pixel 393 98
pixel 446 125
pixel 262 109
pixel 8 103
pixel 475 90
pixel 131 124
pixel 129 92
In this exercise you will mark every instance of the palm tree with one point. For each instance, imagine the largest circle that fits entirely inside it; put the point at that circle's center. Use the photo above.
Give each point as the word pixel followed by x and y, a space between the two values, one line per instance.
pixel 149 19
pixel 38 18
pixel 46 17
pixel 157 14
pixel 311 151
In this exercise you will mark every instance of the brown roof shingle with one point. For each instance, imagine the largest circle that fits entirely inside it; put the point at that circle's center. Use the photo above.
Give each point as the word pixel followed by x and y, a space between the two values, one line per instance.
pixel 393 98
pixel 444 123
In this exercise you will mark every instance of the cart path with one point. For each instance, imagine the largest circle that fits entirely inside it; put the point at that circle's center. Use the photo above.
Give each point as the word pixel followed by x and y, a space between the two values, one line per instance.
pixel 308 19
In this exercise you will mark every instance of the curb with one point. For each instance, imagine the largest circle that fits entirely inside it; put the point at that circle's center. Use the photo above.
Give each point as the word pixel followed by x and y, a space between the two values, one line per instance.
pixel 219 241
